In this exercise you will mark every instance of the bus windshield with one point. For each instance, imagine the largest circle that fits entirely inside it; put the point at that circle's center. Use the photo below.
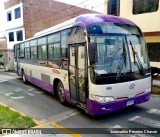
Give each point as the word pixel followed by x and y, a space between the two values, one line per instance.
pixel 116 49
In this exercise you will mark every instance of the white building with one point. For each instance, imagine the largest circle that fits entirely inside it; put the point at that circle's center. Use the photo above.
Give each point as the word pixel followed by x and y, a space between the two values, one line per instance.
pixel 11 32
pixel 14 25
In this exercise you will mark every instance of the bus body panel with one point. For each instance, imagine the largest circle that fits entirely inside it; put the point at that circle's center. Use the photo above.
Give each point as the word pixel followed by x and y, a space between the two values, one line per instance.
pixel 95 108
pixel 123 93
pixel 34 74
pixel 119 90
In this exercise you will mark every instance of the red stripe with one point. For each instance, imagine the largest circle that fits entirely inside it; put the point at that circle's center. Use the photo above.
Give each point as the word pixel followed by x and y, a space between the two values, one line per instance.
pixel 55 71
pixel 121 98
pixel 140 93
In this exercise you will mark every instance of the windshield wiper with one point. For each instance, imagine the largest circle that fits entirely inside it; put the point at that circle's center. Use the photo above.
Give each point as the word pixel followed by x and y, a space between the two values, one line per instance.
pixel 120 65
pixel 122 61
pixel 139 66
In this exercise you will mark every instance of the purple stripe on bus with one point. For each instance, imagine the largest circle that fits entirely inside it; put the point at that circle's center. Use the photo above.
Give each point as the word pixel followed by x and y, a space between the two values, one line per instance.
pixel 68 96
pixel 94 18
pixel 47 87
pixel 95 108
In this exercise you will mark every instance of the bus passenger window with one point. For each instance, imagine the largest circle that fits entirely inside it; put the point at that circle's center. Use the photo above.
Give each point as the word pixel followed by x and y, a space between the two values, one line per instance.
pixel 27 53
pixel 22 50
pixel 33 52
pixel 64 43
pixel 50 51
pixel 42 52
pixel 57 51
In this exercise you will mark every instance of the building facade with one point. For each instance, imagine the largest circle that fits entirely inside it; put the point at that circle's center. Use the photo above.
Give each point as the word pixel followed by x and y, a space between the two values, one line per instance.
pixel 146 14
pixel 24 18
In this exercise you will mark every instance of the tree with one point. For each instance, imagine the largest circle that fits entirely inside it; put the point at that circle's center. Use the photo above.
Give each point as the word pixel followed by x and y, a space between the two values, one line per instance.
pixel 1 55
pixel 1 63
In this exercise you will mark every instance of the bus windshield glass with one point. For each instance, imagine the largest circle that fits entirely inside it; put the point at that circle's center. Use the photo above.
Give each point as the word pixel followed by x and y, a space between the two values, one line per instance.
pixel 116 49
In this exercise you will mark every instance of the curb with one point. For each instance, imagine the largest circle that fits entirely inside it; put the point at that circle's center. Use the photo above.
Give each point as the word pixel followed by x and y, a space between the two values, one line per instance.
pixel 155 96
pixel 59 127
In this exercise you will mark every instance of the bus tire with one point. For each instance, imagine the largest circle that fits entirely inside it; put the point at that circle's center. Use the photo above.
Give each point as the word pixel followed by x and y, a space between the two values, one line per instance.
pixel 61 93
pixel 24 77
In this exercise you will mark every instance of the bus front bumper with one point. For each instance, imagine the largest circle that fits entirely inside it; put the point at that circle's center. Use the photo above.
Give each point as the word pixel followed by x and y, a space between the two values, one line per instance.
pixel 96 108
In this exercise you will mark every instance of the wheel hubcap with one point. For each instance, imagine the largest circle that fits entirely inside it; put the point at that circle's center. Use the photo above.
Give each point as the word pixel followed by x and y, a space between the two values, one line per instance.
pixel 61 94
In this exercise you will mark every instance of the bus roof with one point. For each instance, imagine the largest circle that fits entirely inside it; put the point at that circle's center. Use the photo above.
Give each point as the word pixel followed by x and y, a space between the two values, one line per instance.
pixel 84 20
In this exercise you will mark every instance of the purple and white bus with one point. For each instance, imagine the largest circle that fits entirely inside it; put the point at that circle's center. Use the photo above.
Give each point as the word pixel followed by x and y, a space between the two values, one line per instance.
pixel 96 62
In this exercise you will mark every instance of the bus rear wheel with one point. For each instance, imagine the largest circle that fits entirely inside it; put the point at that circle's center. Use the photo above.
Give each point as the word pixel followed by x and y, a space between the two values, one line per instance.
pixel 24 77
pixel 61 93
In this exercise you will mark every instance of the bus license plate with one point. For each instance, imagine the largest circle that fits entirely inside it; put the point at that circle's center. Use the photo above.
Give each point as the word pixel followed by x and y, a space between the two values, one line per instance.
pixel 130 102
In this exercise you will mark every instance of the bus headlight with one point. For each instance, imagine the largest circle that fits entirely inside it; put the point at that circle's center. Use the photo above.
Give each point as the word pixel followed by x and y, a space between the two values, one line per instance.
pixel 101 99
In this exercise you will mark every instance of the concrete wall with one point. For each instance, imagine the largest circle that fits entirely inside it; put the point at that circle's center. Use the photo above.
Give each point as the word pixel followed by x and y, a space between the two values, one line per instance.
pixel 3 44
pixel 7 58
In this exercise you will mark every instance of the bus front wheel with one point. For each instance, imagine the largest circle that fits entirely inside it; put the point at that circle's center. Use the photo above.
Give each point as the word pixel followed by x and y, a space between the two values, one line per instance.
pixel 61 93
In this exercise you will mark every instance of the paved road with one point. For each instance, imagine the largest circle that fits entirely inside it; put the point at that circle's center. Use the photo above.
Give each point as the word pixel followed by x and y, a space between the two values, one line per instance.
pixel 45 107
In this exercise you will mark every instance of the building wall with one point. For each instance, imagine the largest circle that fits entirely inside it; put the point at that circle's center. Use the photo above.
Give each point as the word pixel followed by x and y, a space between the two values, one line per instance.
pixel 42 14
pixel 7 58
pixel 15 24
pixel 11 3
pixel 3 43
pixel 148 22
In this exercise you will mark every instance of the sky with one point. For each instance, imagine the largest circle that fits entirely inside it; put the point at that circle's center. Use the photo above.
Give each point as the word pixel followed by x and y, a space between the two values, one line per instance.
pixel 96 5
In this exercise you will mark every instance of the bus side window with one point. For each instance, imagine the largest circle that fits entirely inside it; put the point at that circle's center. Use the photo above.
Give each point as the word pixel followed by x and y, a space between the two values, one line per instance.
pixel 54 51
pixel 42 48
pixel 42 52
pixel 22 50
pixel 64 43
pixel 27 53
pixel 50 51
pixel 27 50
pixel 76 35
pixel 33 49
pixel 33 52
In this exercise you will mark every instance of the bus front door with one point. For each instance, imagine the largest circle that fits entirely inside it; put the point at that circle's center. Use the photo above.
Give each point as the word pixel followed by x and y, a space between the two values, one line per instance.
pixel 77 74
